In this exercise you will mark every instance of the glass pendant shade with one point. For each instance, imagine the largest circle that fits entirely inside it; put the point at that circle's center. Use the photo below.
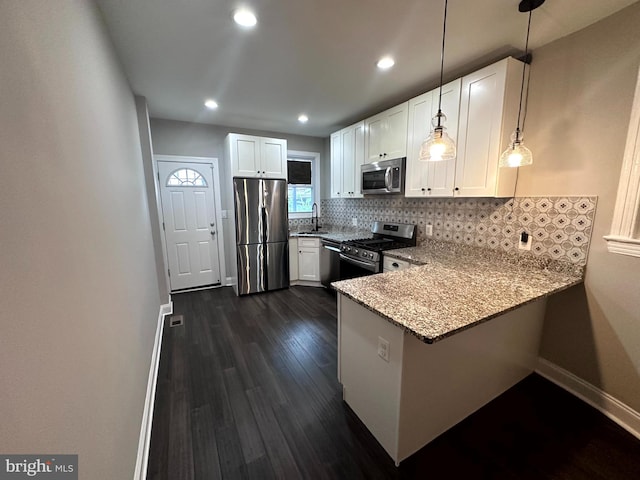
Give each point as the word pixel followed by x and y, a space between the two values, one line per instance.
pixel 516 154
pixel 438 146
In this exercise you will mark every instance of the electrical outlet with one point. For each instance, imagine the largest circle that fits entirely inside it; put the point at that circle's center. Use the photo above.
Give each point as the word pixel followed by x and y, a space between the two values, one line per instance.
pixel 525 241
pixel 225 213
pixel 383 348
pixel 428 230
pixel 354 221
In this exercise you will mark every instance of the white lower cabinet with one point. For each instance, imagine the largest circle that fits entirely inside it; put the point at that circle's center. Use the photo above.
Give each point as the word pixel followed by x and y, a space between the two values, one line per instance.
pixel 293 259
pixel 304 260
pixel 390 264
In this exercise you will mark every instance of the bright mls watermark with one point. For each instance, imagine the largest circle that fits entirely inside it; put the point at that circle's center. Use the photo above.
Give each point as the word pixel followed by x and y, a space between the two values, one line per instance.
pixel 51 467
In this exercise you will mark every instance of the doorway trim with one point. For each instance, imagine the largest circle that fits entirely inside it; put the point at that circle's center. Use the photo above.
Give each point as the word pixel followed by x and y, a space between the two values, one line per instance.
pixel 213 162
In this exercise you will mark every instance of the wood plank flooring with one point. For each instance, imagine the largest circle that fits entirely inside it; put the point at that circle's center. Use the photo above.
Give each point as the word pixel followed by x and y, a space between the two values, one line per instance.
pixel 247 389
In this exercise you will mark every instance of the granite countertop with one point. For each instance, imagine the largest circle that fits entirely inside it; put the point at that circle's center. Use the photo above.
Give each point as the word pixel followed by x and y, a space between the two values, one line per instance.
pixel 338 234
pixel 455 287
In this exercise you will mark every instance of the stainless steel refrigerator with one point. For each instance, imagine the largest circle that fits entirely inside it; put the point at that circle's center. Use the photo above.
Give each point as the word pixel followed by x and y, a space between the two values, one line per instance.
pixel 262 234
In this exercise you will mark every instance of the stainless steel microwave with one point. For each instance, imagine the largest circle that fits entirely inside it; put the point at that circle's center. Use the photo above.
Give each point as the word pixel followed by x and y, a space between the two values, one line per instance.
pixel 386 176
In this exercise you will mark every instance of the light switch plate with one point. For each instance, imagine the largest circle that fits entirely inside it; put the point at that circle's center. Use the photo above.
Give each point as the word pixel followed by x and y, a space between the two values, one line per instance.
pixel 428 230
pixel 225 213
pixel 383 348
pixel 354 221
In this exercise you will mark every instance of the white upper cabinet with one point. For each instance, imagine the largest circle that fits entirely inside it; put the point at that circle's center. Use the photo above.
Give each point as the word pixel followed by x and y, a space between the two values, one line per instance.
pixel 274 157
pixel 431 179
pixel 336 165
pixel 386 134
pixel 488 115
pixel 252 156
pixel 347 156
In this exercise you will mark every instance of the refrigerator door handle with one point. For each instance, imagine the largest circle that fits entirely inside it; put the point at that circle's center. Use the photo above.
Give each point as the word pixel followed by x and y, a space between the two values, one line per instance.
pixel 265 258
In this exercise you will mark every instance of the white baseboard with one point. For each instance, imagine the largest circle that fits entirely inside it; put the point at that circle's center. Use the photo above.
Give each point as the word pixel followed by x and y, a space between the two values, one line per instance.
pixel 611 407
pixel 147 415
pixel 305 283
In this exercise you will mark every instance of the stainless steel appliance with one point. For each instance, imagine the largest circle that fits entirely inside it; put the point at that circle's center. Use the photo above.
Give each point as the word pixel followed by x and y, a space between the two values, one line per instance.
pixel 386 176
pixel 364 256
pixel 329 261
pixel 262 234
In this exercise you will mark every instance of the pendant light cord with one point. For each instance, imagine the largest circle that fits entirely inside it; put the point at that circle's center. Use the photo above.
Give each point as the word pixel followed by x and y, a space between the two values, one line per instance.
pixel 524 68
pixel 444 33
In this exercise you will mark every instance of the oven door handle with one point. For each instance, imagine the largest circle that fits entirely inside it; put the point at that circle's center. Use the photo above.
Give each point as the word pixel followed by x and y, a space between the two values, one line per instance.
pixel 365 265
pixel 333 249
pixel 387 179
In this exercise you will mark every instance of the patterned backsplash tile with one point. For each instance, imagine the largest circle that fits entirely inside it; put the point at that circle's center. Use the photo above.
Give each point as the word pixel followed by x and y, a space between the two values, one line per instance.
pixel 560 227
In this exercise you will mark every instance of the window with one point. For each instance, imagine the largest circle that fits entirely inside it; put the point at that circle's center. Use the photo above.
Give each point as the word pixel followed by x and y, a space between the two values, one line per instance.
pixel 185 177
pixel 304 184
pixel 625 229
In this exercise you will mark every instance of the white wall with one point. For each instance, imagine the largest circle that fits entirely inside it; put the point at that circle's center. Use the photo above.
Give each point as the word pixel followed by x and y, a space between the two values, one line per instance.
pixel 79 290
pixel 582 89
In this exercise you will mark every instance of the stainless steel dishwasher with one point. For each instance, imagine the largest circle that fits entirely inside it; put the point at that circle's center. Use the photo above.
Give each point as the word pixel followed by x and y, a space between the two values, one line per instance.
pixel 329 261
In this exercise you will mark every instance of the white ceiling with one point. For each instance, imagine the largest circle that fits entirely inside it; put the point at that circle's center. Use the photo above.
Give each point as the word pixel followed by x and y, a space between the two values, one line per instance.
pixel 316 56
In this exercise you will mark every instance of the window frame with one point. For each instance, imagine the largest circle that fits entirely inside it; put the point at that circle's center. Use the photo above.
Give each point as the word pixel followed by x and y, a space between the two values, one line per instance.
pixel 185 183
pixel 624 238
pixel 314 158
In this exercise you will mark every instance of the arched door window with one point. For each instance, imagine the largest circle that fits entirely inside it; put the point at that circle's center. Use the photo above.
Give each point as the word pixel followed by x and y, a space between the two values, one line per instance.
pixel 186 177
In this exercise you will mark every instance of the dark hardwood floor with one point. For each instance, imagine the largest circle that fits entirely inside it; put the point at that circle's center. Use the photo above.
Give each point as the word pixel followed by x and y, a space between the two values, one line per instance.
pixel 247 389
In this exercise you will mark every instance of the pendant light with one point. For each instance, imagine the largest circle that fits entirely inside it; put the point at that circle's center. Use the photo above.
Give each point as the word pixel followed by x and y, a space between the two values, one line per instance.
pixel 516 154
pixel 439 146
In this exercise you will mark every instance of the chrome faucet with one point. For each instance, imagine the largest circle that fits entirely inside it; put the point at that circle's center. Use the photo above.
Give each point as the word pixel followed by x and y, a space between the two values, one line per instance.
pixel 314 207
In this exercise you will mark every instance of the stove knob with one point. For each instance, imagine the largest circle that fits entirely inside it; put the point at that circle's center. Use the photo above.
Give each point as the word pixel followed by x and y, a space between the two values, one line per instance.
pixel 371 255
pixel 355 251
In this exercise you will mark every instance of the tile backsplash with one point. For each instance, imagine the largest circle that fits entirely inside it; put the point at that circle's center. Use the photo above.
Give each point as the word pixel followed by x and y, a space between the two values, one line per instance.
pixel 560 227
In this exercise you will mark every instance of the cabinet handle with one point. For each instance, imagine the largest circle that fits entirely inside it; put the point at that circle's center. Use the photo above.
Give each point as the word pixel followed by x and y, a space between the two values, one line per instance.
pixel 456 189
pixel 380 155
pixel 384 154
pixel 429 189
pixel 394 264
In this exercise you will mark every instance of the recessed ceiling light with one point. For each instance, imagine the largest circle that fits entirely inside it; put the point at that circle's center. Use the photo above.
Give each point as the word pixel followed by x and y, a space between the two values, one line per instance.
pixel 211 104
pixel 303 118
pixel 245 18
pixel 385 63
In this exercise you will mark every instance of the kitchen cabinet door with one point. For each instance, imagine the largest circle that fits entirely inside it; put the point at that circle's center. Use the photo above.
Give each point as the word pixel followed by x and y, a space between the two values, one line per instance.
pixel 293 259
pixel 386 134
pixel 347 156
pixel 374 127
pixel 336 165
pixel 309 264
pixel 431 179
pixel 352 145
pixel 273 153
pixel 395 135
pixel 419 126
pixel 488 114
pixel 245 155
pixel 358 159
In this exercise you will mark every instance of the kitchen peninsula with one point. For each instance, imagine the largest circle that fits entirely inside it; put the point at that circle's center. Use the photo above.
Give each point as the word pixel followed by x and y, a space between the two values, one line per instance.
pixel 422 348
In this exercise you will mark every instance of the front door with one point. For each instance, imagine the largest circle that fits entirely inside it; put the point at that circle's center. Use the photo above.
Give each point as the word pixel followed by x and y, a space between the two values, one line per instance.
pixel 188 209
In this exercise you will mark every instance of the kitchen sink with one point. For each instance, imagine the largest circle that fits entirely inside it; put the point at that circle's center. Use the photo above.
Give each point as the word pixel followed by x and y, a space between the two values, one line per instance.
pixel 312 232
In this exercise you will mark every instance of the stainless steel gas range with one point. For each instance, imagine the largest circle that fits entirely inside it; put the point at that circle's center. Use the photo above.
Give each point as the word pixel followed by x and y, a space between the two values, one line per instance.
pixel 364 256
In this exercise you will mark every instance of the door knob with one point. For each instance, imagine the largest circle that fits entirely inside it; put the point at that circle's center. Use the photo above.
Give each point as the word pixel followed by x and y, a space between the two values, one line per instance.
pixel 212 224
pixel 213 232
